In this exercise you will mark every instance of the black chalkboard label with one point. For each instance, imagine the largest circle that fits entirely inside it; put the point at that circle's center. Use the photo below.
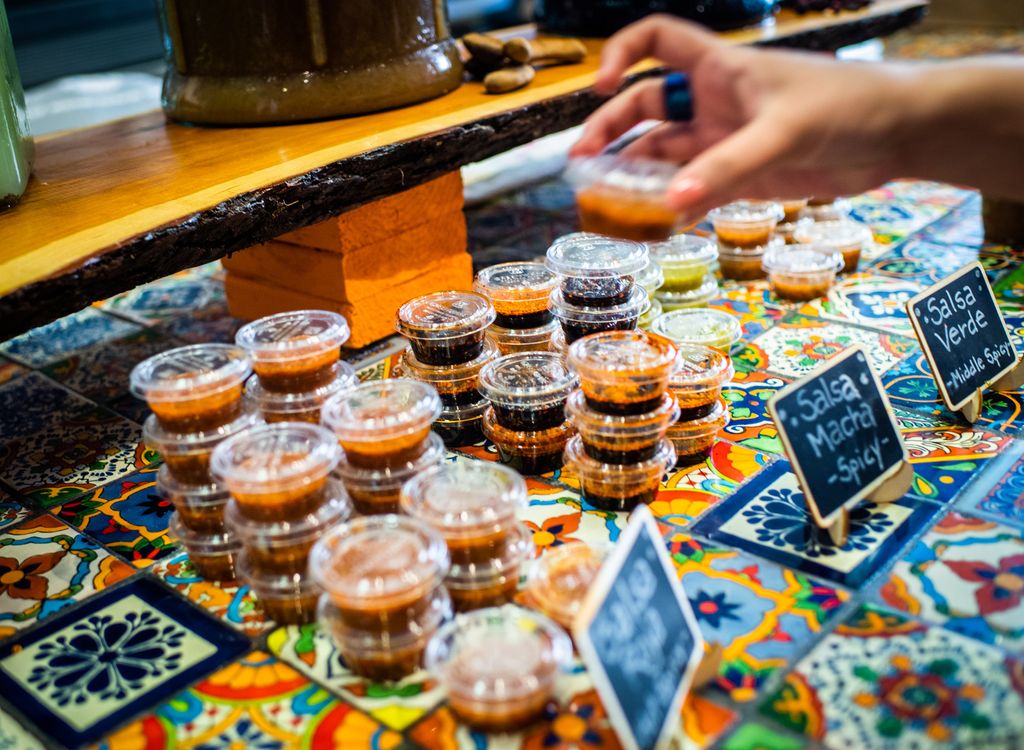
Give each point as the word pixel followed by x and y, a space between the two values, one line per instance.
pixel 963 335
pixel 839 432
pixel 639 638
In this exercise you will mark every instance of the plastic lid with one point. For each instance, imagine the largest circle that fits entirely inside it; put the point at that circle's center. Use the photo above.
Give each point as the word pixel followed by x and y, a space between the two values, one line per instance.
pixel 590 422
pixel 699 326
pixel 190 494
pixel 413 368
pixel 531 379
pixel 515 281
pixel 651 277
pixel 444 315
pixel 382 643
pixel 618 353
pixel 269 585
pixel 837 234
pixel 293 335
pixel 621 474
pixel 621 173
pixel 561 578
pixel 177 443
pixel 837 209
pixel 591 256
pixel 198 543
pixel 523 336
pixel 499 653
pixel 800 259
pixel 276 402
pixel 698 297
pixel 747 212
pixel 379 409
pixel 727 251
pixel 376 558
pixel 463 496
pixel 285 533
pixel 393 476
pixel 190 372
pixel 451 415
pixel 711 422
pixel 275 457
pixel 633 307
pixel 472 575
pixel 700 365
pixel 688 249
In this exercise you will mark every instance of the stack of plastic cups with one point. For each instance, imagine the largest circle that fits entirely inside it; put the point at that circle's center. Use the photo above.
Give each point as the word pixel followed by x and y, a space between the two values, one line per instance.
pixel 297 360
pixel 847 237
pixel 473 506
pixel 826 210
pixel 651 278
pixel 745 231
pixel 622 413
pixel 527 420
pixel 383 596
pixel 697 388
pixel 802 272
pixel 447 333
pixel 792 208
pixel 687 262
pixel 283 501
pixel 598 291
pixel 195 393
pixel 383 428
pixel 521 296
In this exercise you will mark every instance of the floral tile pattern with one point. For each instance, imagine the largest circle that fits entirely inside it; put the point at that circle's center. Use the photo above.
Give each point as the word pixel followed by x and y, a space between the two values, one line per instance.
pixel 1010 290
pixel 883 680
pixel 750 424
pixel 769 518
pixel 45 566
pixel 754 736
pixel 57 340
pixel 81 674
pixel 181 295
pixel 752 305
pixel 557 516
pixel 998 493
pixel 868 300
pixel 11 512
pixel 14 736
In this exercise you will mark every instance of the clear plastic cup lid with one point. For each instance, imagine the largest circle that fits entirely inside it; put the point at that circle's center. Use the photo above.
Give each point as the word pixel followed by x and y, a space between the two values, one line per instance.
pixel 623 352
pixel 513 281
pixel 834 235
pixel 622 474
pixel 444 315
pixel 616 172
pixel 708 288
pixel 277 402
pixel 561 578
pixel 703 366
pixel 190 372
pixel 635 306
pixel 198 543
pixel 267 585
pixel 747 212
pixel 382 409
pixel 284 533
pixel 191 494
pixel 293 335
pixel 385 643
pixel 530 379
pixel 651 276
pixel 463 496
pixel 595 257
pixel 499 653
pixel 413 368
pixel 473 575
pixel 523 336
pixel 802 259
pixel 711 422
pixel 374 559
pixel 699 326
pixel 392 476
pixel 688 249
pixel 177 443
pixel 275 457
pixel 726 251
pixel 589 421
pixel 452 416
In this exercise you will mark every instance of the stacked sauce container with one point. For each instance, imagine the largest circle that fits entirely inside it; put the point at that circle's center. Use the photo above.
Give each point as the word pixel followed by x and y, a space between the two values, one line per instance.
pixel 745 231
pixel 686 261
pixel 697 386
pixel 521 296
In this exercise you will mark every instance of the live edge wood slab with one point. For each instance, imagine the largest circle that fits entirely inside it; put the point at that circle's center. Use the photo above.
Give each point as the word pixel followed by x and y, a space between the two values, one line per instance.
pixel 124 203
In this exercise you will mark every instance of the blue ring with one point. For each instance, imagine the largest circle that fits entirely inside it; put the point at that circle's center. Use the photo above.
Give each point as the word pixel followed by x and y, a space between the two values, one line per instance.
pixel 678 97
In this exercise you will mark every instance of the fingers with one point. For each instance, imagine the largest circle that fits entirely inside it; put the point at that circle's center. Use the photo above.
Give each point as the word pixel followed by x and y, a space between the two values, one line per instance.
pixel 644 101
pixel 672 142
pixel 676 43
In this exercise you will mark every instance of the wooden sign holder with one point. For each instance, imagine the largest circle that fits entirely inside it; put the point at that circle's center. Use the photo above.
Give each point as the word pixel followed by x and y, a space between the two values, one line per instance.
pixel 1011 381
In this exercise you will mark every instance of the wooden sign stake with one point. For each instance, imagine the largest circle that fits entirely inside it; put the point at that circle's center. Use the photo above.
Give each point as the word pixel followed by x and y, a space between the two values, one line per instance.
pixel 891 490
pixel 710 663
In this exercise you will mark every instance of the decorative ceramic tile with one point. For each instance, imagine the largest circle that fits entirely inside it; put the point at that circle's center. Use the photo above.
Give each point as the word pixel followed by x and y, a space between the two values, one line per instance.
pixel 761 614
pixel 1010 290
pixel 488 451
pixel 381 369
pixel 962 226
pixel 556 516
pixel 754 736
pixel 11 511
pixel 45 566
pixel 868 301
pixel 127 516
pixel 750 424
pixel 230 602
pixel 10 370
pixel 750 303
pixel 314 652
pixel 797 345
pixel 768 517
pixel 890 218
pixel 883 680
pixel 551 195
pixel 926 193
pixel 178 296
pixel 923 261
pixel 13 736
pixel 63 337
pixel 998 492
pixel 83 672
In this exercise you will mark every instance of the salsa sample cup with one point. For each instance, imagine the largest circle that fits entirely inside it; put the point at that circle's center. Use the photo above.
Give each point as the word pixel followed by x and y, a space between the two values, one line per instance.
pixel 685 260
pixel 300 406
pixel 528 391
pixel 294 352
pixel 802 272
pixel 745 223
pixel 519 293
pixel 623 372
pixel 446 328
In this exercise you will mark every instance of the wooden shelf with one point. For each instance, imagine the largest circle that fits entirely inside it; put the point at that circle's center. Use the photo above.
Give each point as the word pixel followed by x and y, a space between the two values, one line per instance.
pixel 123 203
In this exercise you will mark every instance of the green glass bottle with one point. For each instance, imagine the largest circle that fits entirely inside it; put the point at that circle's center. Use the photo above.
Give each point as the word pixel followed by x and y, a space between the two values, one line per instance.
pixel 16 149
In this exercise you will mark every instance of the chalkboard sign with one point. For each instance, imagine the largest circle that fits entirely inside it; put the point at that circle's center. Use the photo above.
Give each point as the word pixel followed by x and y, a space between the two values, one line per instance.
pixel 963 335
pixel 639 638
pixel 839 433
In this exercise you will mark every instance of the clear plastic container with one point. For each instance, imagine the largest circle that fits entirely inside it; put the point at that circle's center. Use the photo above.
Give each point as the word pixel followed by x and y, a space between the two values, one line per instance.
pixel 446 328
pixel 187 455
pixel 745 223
pixel 283 406
pixel 472 504
pixel 213 555
pixel 283 547
pixel 294 352
pixel 699 297
pixel 462 426
pixel 277 472
pixel 528 391
pixel 193 388
pixel 200 507
pixel 578 322
pixel 558 345
pixel 529 452
pixel 286 598
pixel 622 439
pixel 519 292
pixel 697 384
pixel 380 571
pixel 829 210
pixel 457 385
pixel 713 328
pixel 492 582
pixel 845 236
pixel 383 423
pixel 652 312
pixel 375 492
pixel 517 341
pixel 694 439
pixel 650 277
pixel 560 579
pixel 745 263
pixel 499 665
pixel 619 487
pixel 622 197
pixel 685 259
pixel 785 231
pixel 801 272
pixel 623 372
pixel 791 208
pixel 584 255
pixel 384 656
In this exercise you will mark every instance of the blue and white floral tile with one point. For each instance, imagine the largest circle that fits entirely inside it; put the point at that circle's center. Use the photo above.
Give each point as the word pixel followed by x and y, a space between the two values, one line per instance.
pixel 768 517
pixel 892 218
pixel 64 337
pixel 128 516
pixel 45 566
pixel 928 193
pixel 214 325
pixel 178 296
pixel 868 300
pixel 962 226
pixel 923 261
pixel 14 736
pixel 966 574
pixel 82 673
pixel 998 492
